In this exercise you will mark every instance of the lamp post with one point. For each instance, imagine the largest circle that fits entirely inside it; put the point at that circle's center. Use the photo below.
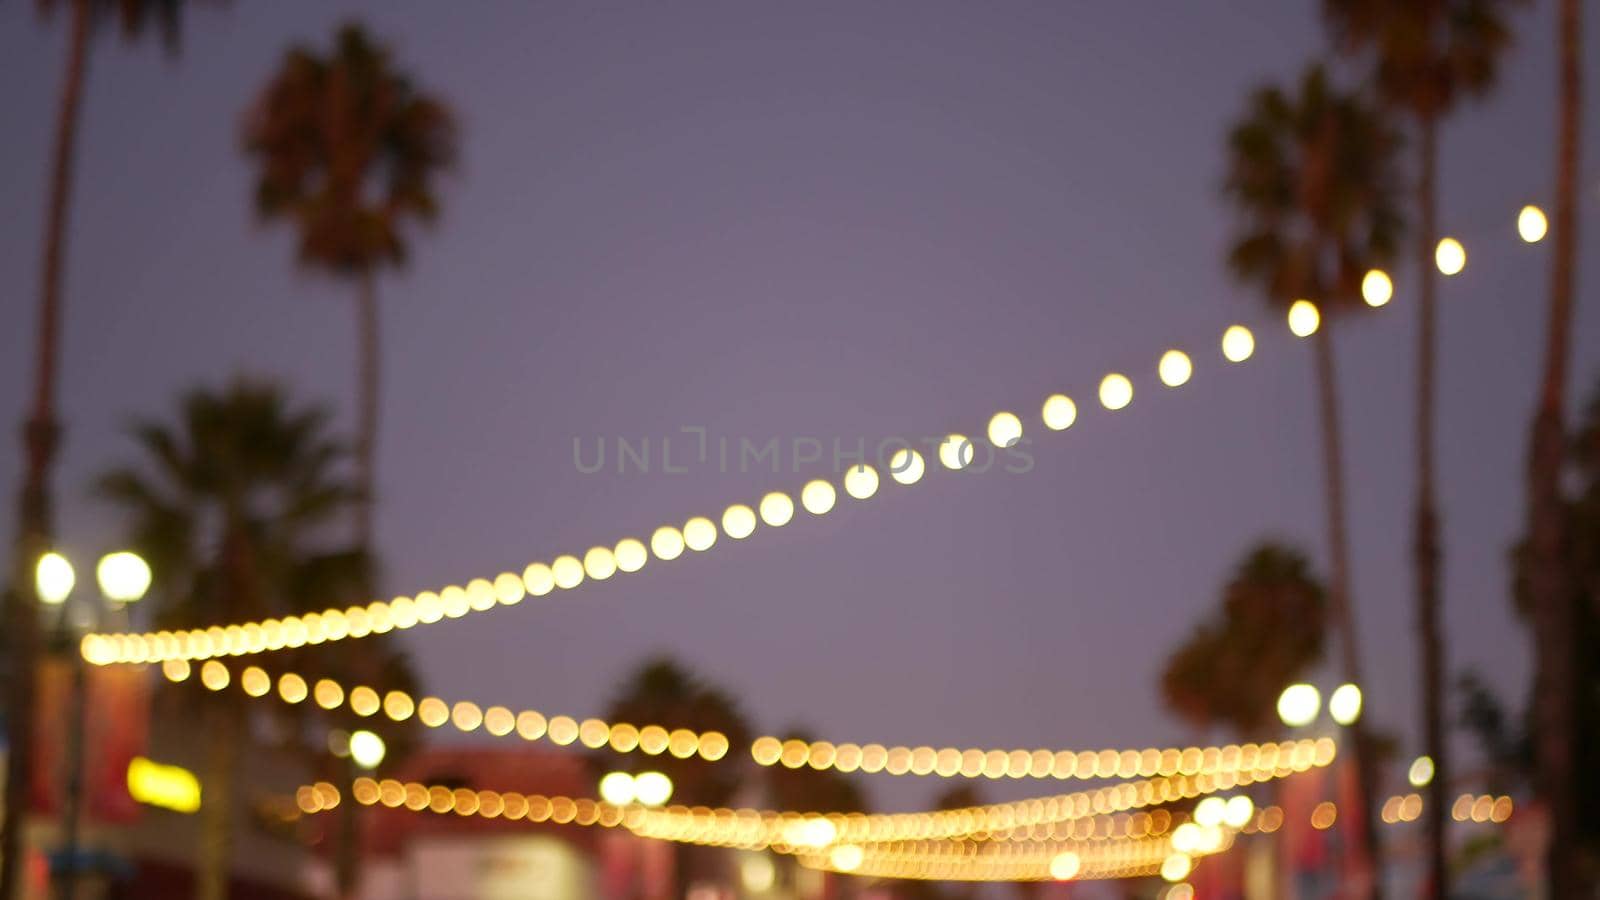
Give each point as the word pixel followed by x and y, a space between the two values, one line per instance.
pixel 123 578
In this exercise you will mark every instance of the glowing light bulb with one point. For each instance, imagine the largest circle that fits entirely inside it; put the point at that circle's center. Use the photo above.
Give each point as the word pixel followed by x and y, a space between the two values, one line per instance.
pixel 599 563
pixel 1298 705
pixel 739 521
pixel 53 578
pixel 667 543
pixel 1116 391
pixel 777 509
pixel 1005 429
pixel 1377 288
pixel 817 497
pixel 367 749
pixel 1237 343
pixel 955 452
pixel 1176 867
pixel 123 577
pixel 1238 811
pixel 1065 866
pixel 1059 412
pixel 617 788
pixel 1344 704
pixel 1531 224
pixel 699 533
pixel 846 857
pixel 861 482
pixel 1304 318
pixel 906 466
pixel 631 554
pixel 1421 772
pixel 652 788
pixel 1208 813
pixel 568 572
pixel 1175 368
pixel 538 579
pixel 1450 256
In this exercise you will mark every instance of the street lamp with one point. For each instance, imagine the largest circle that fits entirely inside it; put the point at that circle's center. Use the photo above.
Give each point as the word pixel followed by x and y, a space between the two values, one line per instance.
pixel 367 750
pixel 646 788
pixel 123 578
pixel 1298 705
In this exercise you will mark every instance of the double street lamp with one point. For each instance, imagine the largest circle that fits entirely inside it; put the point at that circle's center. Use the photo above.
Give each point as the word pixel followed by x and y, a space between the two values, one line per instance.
pixel 123 578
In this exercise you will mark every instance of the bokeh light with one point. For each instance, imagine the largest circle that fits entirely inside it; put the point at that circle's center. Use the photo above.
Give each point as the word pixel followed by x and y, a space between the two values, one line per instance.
pixel 699 533
pixel 667 543
pixel 818 497
pixel 1344 704
pixel 1059 412
pixel 1005 429
pixel 1175 368
pixel 1531 224
pixel 906 466
pixel 955 452
pixel 1238 343
pixel 1304 318
pixel 1116 391
pixel 1421 772
pixel 1298 705
pixel 739 521
pixel 53 578
pixel 777 509
pixel 861 481
pixel 1377 288
pixel 1450 256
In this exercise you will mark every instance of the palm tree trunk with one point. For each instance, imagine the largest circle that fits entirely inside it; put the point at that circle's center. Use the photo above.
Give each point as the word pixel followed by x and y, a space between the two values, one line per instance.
pixel 1550 591
pixel 1425 546
pixel 217 799
pixel 40 437
pixel 1362 843
pixel 367 402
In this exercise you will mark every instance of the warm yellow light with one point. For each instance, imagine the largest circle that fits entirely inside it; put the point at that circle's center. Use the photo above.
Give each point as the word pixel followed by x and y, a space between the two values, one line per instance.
pixel 255 681
pixel 652 788
pixel 1005 429
pixel 1065 866
pixel 568 571
pixel 169 787
pixel 1531 224
pixel 817 497
pixel 758 873
pixel 1238 811
pixel 214 675
pixel 1238 343
pixel 291 687
pixel 699 533
pixel 1059 412
pixel 1175 368
pixel 861 481
pixel 1116 391
pixel 776 509
pixel 599 563
pixel 537 578
pixel 123 576
pixel 1176 867
pixel 631 554
pixel 1298 705
pixel 1208 813
pixel 1180 891
pixel 1450 256
pixel 955 451
pixel 367 749
pixel 846 857
pixel 53 578
pixel 398 705
pixel 1421 772
pixel 1344 704
pixel 617 788
pixel 1324 815
pixel 739 521
pixel 1304 318
pixel 667 543
pixel 906 466
pixel 1376 288
pixel 327 693
pixel 508 589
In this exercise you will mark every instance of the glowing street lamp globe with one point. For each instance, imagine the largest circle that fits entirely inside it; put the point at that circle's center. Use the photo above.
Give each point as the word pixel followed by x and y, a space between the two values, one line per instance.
pixel 1344 704
pixel 367 749
pixel 1298 705
pixel 124 577
pixel 53 578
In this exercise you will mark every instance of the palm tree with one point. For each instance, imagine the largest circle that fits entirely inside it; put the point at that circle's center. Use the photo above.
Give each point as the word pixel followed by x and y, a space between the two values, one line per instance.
pixel 41 432
pixel 1311 175
pixel 1429 54
pixel 663 692
pixel 348 149
pixel 1267 633
pixel 223 504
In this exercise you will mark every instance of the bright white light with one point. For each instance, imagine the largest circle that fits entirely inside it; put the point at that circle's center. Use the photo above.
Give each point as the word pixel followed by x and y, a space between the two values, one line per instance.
pixel 699 533
pixel 1005 429
pixel 1209 812
pixel 1298 705
pixel 846 857
pixel 1238 343
pixel 1450 256
pixel 1176 867
pixel 53 578
pixel 861 482
pixel 777 509
pixel 1064 866
pixel 1376 288
pixel 1186 837
pixel 1116 391
pixel 1238 811
pixel 618 788
pixel 1421 771
pixel 906 466
pixel 367 749
pixel 667 543
pixel 1531 224
pixel 1304 318
pixel 956 451
pixel 739 521
pixel 818 497
pixel 123 576
pixel 631 554
pixel 1344 704
pixel 1059 412
pixel 1175 368
pixel 652 788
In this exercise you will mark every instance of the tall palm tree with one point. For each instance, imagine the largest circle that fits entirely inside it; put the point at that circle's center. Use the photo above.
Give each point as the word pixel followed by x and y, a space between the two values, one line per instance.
pixel 663 692
pixel 1311 175
pixel 349 149
pixel 41 430
pixel 1267 632
pixel 224 503
pixel 1429 55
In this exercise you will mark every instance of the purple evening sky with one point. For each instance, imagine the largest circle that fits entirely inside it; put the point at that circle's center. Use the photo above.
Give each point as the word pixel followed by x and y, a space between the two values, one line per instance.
pixel 826 219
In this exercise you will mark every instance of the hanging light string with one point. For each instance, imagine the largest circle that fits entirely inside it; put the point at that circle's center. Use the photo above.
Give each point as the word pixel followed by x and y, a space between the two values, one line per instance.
pixel 711 746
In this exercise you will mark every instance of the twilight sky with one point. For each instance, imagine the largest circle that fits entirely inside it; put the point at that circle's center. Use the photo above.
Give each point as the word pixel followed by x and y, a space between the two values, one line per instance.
pixel 831 220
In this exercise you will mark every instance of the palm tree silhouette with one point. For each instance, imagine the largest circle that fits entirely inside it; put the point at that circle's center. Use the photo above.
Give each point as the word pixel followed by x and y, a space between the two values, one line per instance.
pixel 349 150
pixel 1311 176
pixel 41 431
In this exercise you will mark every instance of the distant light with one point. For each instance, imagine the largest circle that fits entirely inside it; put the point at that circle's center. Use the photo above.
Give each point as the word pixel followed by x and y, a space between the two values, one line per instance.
pixel 617 788
pixel 699 533
pixel 1238 343
pixel 1377 288
pixel 1116 391
pixel 169 787
pixel 667 543
pixel 53 578
pixel 739 521
pixel 1175 368
pixel 1298 705
pixel 1208 813
pixel 1180 891
pixel 906 466
pixel 1005 429
pixel 846 857
pixel 599 563
pixel 777 509
pixel 1304 318
pixel 1065 866
pixel 367 749
pixel 1238 812
pixel 652 788
pixel 631 554
pixel 1344 704
pixel 818 497
pixel 568 571
pixel 861 481
pixel 1421 771
pixel 1059 412
pixel 955 452
pixel 1450 256
pixel 758 873
pixel 1186 837
pixel 1176 866
pixel 1531 224
pixel 1323 817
